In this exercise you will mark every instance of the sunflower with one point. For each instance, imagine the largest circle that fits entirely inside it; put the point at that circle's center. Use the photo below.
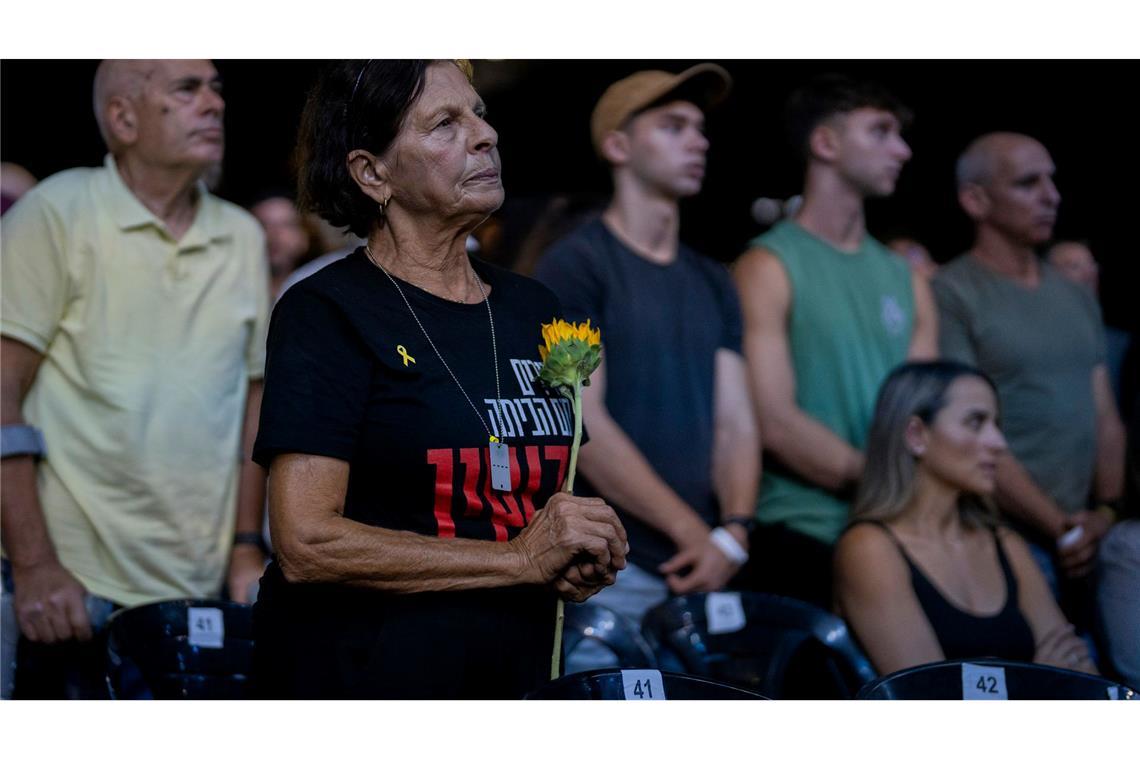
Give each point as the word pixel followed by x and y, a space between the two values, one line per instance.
pixel 571 353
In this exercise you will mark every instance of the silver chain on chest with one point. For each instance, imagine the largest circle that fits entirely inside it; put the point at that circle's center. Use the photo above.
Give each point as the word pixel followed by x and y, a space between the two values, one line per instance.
pixel 494 346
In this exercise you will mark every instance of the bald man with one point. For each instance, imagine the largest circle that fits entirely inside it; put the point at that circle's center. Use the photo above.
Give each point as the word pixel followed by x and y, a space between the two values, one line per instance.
pixel 131 352
pixel 1039 337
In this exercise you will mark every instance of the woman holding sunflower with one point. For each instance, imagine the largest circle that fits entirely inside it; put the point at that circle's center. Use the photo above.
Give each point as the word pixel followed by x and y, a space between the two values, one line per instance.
pixel 415 462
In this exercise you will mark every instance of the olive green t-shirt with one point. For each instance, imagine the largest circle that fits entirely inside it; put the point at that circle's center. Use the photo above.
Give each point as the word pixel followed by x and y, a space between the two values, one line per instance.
pixel 850 323
pixel 1040 347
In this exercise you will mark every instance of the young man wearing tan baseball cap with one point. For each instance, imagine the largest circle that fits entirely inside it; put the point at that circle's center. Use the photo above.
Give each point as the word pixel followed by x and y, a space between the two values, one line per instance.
pixel 673 443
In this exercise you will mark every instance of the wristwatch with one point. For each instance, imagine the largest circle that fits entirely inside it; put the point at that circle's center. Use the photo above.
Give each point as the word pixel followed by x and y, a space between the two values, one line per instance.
pixel 744 522
pixel 252 538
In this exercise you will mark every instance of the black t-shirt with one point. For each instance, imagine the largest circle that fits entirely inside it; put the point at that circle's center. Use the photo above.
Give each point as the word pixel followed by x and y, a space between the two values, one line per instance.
pixel 350 375
pixel 661 328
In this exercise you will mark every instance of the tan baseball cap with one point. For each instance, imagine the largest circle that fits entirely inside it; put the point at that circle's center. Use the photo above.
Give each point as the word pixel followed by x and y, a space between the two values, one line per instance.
pixel 705 84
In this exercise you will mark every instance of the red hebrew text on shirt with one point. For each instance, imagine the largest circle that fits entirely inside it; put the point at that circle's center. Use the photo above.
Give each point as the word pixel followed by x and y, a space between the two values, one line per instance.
pixel 464 499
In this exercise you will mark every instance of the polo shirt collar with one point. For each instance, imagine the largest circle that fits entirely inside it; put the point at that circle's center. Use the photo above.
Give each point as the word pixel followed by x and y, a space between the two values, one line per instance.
pixel 129 212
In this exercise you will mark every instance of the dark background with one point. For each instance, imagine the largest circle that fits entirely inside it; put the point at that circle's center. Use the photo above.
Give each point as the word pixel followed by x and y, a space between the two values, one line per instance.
pixel 541 109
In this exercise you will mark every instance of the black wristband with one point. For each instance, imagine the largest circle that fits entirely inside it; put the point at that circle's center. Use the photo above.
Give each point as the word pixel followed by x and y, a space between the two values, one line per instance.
pixel 744 522
pixel 252 539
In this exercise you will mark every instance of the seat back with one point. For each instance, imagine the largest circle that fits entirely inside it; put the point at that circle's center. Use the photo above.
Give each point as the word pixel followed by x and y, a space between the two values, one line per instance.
pixel 599 623
pixel 180 649
pixel 630 684
pixel 777 646
pixel 991 678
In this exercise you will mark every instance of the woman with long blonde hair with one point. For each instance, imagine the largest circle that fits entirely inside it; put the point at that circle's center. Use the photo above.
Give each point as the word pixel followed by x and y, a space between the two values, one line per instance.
pixel 925 572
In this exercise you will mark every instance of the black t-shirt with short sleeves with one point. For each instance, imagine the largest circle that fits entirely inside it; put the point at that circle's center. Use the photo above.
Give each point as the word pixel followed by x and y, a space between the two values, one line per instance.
pixel 662 325
pixel 350 375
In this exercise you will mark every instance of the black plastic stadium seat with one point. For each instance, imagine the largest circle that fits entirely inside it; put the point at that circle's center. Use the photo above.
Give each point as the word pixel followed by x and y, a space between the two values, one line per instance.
pixel 611 684
pixel 598 623
pixel 996 679
pixel 151 653
pixel 785 648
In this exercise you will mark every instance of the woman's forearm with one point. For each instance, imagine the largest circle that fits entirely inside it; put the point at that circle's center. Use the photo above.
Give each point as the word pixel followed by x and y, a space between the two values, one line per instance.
pixel 339 550
pixel 315 543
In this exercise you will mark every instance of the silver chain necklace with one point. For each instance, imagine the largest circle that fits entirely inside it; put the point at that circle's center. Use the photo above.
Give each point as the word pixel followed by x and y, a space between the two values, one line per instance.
pixel 500 461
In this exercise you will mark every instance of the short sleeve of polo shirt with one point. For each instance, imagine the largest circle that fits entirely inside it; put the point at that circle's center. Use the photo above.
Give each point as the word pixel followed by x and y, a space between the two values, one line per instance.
pixel 317 377
pixel 35 279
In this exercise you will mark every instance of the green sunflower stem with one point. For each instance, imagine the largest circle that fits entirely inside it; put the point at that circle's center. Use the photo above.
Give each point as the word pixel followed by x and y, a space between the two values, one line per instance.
pixel 567 487
pixel 556 656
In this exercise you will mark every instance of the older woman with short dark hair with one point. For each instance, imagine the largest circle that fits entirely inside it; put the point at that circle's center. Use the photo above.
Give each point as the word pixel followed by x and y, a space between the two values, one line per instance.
pixel 414 461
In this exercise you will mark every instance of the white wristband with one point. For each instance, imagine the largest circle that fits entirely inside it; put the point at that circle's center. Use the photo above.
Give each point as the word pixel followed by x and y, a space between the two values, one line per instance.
pixel 724 541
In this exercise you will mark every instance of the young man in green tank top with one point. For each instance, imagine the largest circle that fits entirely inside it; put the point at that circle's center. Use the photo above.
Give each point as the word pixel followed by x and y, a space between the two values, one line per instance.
pixel 828 312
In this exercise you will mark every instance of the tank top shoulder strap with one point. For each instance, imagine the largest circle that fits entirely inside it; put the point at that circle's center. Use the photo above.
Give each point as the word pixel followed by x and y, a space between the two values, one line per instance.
pixel 1007 570
pixel 890 534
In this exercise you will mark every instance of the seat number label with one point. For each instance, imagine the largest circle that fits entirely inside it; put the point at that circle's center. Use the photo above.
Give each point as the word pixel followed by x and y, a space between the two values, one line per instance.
pixel 642 684
pixel 982 682
pixel 724 612
pixel 206 627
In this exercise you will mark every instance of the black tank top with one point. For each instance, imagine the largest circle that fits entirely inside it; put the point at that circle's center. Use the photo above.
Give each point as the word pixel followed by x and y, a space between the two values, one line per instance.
pixel 1005 634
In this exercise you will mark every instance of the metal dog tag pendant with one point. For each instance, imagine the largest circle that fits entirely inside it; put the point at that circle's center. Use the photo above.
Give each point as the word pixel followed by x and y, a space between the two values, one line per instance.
pixel 500 466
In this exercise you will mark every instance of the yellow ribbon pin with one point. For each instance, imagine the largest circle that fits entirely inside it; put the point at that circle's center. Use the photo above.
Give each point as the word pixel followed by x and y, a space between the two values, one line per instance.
pixel 403 352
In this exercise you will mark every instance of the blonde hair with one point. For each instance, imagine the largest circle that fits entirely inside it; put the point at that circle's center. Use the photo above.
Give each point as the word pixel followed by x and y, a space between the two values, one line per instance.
pixel 916 389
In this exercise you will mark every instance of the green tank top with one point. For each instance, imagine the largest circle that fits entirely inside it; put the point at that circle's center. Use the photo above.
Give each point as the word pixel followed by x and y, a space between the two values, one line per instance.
pixel 850 323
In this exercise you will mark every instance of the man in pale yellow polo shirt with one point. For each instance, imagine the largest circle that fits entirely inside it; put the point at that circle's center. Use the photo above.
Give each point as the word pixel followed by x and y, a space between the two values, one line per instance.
pixel 133 327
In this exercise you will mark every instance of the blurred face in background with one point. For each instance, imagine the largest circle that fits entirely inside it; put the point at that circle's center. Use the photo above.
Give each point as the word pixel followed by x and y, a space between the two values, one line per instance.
pixel 667 148
pixel 1020 199
pixel 286 238
pixel 868 150
pixel 1075 262
pixel 917 256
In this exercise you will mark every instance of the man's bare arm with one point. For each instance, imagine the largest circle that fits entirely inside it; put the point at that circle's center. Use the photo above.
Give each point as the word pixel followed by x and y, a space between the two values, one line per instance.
pixel 1109 485
pixel 1022 499
pixel 49 601
pixel 924 340
pixel 246 560
pixel 1078 557
pixel 736 442
pixel 800 442
pixel 621 473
